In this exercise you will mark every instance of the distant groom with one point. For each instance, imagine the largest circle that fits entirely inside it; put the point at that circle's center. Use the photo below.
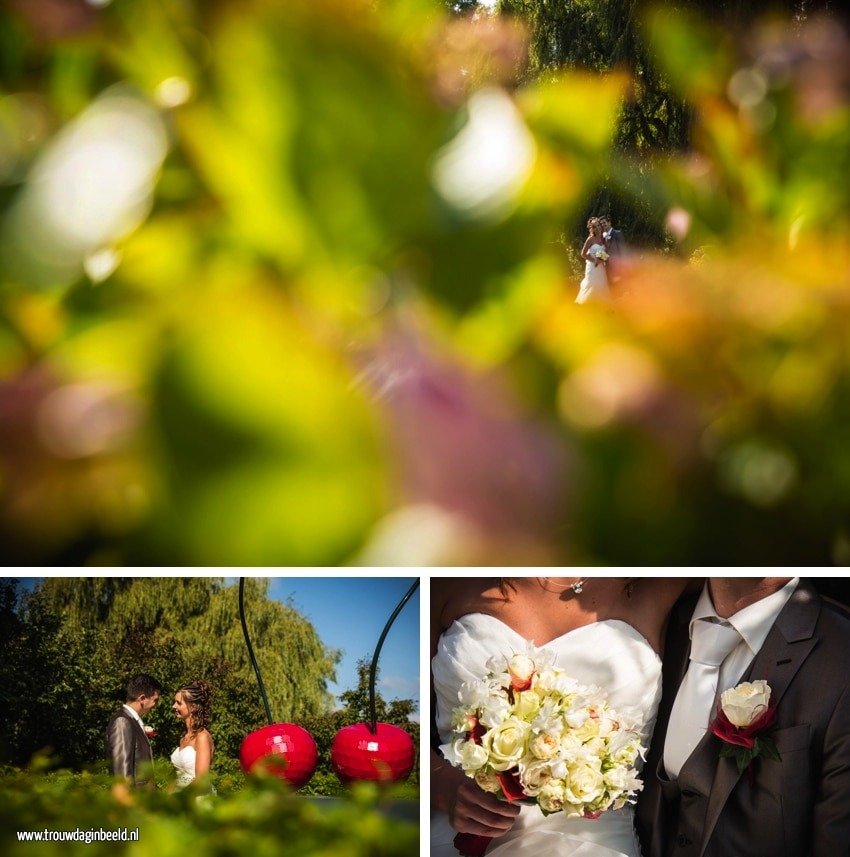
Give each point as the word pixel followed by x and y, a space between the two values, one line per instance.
pixel 613 237
pixel 696 803
pixel 614 246
pixel 128 747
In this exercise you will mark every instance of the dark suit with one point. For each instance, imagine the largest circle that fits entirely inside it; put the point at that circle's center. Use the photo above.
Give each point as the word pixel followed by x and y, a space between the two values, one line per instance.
pixel 614 243
pixel 797 807
pixel 128 748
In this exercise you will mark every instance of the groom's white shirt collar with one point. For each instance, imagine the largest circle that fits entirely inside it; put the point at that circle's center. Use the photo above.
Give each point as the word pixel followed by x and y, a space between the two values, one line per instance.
pixel 134 714
pixel 753 623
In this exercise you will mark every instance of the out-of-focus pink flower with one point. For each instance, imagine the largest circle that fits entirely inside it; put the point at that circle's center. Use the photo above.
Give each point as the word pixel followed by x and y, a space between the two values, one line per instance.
pixel 464 445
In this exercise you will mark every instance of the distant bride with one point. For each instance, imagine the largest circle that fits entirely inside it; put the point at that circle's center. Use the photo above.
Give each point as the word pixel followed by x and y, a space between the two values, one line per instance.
pixel 193 757
pixel 594 286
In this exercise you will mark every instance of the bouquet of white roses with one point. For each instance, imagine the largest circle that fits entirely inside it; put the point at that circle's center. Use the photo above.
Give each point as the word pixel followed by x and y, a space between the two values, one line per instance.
pixel 528 732
pixel 601 255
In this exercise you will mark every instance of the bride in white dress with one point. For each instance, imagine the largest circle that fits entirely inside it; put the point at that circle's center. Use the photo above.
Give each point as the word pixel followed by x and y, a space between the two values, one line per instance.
pixel 193 757
pixel 594 286
pixel 602 631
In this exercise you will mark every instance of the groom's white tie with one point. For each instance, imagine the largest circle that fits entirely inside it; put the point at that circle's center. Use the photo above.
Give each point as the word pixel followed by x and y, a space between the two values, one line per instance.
pixel 694 704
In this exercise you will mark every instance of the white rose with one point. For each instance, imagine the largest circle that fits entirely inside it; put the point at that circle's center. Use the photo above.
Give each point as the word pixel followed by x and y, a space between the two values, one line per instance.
pixel 534 776
pixel 526 704
pixel 472 756
pixel 551 796
pixel 521 670
pixel 488 781
pixel 505 743
pixel 744 704
pixel 545 746
pixel 585 784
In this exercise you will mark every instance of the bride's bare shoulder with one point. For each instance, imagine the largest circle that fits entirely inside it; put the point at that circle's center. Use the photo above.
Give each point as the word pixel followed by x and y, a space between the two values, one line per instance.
pixel 453 597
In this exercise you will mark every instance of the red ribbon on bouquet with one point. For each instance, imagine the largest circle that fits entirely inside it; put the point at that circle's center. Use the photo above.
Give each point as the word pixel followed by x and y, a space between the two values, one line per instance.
pixel 473 845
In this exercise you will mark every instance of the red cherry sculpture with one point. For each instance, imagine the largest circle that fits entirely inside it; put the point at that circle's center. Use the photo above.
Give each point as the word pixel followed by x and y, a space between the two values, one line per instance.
pixel 387 755
pixel 290 751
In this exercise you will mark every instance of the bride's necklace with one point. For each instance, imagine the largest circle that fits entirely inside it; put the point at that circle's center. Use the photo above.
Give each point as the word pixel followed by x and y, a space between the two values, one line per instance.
pixel 576 586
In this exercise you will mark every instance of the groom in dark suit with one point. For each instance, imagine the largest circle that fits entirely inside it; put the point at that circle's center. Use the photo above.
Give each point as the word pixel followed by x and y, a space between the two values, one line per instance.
pixel 614 247
pixel 696 803
pixel 613 237
pixel 128 747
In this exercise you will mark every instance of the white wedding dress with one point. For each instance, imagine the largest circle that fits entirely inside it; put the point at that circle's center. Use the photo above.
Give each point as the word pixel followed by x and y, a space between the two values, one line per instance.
pixel 610 654
pixel 594 286
pixel 183 759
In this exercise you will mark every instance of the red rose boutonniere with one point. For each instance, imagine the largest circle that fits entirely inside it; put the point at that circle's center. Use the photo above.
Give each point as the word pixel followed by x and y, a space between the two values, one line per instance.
pixel 150 732
pixel 744 720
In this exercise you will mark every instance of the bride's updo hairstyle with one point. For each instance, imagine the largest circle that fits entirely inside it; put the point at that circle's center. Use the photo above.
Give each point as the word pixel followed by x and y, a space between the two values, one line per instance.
pixel 198 697
pixel 592 223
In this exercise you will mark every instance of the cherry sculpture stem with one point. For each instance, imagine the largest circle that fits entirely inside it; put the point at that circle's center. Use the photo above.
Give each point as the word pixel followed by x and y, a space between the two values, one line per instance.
pixel 251 650
pixel 373 714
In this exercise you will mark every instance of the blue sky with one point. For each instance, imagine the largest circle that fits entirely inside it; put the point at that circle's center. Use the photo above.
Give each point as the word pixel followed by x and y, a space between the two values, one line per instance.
pixel 349 614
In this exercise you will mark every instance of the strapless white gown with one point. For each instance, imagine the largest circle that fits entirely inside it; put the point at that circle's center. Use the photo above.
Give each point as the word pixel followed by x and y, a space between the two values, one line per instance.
pixel 183 759
pixel 610 654
pixel 594 286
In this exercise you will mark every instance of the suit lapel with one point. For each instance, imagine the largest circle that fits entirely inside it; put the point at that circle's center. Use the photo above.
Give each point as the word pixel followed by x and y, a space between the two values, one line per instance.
pixel 786 648
pixel 141 736
pixel 147 742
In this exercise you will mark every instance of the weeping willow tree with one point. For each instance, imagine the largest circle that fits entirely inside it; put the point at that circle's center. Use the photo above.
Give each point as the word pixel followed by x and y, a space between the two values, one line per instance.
pixel 655 121
pixel 80 639
pixel 602 36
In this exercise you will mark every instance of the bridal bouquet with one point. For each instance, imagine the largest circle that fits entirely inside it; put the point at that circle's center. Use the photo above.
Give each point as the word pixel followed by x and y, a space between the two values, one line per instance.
pixel 601 255
pixel 529 732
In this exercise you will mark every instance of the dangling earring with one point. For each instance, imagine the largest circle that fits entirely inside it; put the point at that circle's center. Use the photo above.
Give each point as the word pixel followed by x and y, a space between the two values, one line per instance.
pixel 577 587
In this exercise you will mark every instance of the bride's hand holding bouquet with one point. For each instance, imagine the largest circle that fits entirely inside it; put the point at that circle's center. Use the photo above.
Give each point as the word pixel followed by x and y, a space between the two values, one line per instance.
pixel 601 256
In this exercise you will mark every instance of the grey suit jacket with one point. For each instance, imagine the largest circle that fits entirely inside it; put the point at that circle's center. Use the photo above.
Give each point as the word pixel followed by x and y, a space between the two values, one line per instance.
pixel 796 807
pixel 128 748
pixel 614 245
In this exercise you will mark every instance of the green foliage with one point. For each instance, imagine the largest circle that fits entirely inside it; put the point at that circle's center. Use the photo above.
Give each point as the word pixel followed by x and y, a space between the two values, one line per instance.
pixel 265 818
